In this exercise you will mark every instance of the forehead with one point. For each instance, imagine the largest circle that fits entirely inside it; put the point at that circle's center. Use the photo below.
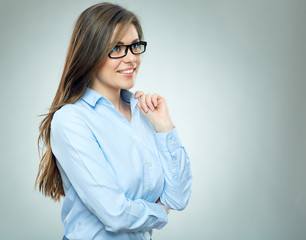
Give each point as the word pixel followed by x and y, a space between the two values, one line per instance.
pixel 126 37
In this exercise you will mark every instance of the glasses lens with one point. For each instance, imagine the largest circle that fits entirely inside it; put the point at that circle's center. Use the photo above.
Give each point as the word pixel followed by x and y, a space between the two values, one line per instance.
pixel 138 48
pixel 118 51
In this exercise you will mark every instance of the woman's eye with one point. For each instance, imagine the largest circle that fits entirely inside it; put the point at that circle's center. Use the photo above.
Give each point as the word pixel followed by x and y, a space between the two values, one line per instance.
pixel 116 49
pixel 135 45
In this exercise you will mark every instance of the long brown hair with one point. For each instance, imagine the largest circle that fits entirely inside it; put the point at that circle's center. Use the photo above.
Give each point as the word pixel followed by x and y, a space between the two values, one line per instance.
pixel 92 40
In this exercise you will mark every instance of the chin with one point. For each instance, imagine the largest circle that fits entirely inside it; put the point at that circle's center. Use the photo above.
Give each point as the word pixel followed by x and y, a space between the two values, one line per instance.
pixel 128 85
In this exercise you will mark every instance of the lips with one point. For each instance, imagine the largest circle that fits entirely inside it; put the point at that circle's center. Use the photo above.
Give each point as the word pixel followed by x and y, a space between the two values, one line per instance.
pixel 127 72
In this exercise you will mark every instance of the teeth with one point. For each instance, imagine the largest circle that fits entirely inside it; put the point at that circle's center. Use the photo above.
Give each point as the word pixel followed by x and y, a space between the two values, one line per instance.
pixel 127 71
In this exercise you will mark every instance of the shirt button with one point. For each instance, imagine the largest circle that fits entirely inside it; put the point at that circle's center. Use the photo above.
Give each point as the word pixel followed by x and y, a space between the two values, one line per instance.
pixel 170 141
pixel 174 165
pixel 147 188
pixel 145 161
pixel 135 137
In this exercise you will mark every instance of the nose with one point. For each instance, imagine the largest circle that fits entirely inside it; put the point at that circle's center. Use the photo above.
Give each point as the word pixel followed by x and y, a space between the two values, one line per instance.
pixel 129 57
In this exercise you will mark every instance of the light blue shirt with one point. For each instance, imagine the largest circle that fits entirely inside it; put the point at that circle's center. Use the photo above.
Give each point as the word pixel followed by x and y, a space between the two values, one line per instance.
pixel 114 171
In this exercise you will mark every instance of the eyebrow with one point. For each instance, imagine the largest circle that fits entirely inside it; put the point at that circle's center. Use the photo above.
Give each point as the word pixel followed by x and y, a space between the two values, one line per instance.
pixel 136 40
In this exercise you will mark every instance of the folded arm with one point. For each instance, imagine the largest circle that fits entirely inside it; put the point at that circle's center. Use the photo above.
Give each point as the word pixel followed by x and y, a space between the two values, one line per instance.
pixel 176 166
pixel 82 159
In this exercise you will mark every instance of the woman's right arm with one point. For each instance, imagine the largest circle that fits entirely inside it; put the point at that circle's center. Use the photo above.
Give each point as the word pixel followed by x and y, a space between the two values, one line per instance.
pixel 80 156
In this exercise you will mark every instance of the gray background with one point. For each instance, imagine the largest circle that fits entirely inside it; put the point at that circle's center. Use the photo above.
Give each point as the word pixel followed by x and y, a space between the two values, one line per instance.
pixel 233 73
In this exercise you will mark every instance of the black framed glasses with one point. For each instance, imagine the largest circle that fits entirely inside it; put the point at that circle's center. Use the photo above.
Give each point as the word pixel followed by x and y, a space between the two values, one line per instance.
pixel 120 51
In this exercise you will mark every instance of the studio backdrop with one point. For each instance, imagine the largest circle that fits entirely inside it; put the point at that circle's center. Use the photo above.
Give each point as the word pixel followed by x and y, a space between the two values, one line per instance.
pixel 233 73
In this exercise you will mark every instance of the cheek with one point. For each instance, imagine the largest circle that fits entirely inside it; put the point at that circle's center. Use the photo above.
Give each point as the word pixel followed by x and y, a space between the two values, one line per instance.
pixel 109 67
pixel 112 64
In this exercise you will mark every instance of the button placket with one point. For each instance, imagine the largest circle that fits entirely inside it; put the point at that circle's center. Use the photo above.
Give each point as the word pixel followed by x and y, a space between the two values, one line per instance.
pixel 146 163
pixel 146 167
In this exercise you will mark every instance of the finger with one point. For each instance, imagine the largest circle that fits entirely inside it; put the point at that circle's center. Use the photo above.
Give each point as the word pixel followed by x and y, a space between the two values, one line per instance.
pixel 139 106
pixel 154 99
pixel 143 103
pixel 149 102
pixel 138 94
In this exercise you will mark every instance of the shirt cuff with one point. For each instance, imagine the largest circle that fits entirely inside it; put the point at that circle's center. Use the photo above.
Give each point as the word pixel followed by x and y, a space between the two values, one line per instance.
pixel 163 216
pixel 168 142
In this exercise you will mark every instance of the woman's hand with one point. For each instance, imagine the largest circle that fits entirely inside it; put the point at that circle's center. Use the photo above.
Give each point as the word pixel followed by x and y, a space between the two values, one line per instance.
pixel 154 108
pixel 166 209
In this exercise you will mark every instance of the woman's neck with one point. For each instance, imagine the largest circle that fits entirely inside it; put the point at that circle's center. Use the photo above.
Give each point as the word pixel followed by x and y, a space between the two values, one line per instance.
pixel 112 95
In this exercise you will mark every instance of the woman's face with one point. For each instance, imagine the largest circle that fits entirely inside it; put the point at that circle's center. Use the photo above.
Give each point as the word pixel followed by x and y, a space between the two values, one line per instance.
pixel 119 73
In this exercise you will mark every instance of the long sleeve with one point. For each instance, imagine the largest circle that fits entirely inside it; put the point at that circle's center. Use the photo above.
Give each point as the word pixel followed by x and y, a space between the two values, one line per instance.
pixel 176 166
pixel 86 166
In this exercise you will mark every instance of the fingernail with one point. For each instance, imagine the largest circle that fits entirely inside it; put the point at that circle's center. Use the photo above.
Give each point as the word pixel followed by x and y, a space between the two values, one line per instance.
pixel 145 109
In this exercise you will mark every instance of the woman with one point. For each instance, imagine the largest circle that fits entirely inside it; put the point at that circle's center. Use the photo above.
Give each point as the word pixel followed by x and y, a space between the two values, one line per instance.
pixel 114 155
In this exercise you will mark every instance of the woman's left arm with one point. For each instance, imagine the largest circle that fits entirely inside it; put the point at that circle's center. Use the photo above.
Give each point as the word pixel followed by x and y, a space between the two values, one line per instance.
pixel 174 159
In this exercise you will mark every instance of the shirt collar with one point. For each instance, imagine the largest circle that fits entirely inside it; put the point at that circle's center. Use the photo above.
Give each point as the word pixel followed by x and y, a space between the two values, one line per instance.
pixel 128 96
pixel 92 97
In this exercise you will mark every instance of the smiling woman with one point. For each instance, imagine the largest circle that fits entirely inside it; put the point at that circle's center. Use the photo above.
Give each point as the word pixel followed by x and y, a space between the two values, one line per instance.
pixel 120 69
pixel 114 155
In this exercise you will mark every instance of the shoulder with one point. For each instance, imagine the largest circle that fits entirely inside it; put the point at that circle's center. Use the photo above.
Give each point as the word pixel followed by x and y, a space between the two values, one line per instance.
pixel 66 112
pixel 67 116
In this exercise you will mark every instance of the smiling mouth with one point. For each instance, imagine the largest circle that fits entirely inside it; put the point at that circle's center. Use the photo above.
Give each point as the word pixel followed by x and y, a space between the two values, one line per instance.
pixel 127 71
